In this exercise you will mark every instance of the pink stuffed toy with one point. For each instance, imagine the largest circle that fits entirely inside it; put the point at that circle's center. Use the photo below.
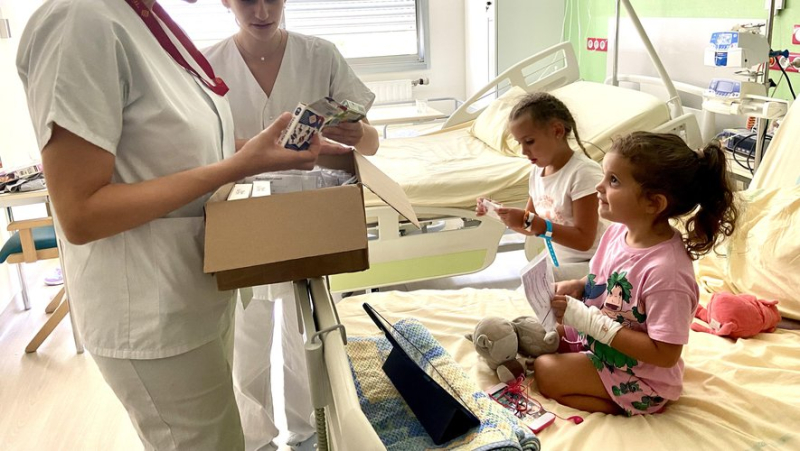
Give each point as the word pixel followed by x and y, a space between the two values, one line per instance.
pixel 737 315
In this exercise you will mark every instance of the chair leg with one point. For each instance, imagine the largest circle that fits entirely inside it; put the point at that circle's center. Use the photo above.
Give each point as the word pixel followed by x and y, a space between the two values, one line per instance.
pixel 25 301
pixel 48 327
pixel 51 307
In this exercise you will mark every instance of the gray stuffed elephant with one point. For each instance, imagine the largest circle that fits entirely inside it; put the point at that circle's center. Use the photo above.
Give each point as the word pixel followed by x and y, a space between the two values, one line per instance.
pixel 533 339
pixel 498 341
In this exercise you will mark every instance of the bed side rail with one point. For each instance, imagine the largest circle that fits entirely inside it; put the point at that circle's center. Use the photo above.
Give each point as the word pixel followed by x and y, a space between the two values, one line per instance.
pixel 341 424
pixel 532 74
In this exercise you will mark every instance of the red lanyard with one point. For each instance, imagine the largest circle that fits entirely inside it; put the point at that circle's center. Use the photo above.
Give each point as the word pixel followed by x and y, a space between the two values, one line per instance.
pixel 218 86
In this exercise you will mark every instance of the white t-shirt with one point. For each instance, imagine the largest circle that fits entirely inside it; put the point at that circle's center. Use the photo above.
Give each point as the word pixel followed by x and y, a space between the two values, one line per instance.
pixel 553 195
pixel 312 68
pixel 95 69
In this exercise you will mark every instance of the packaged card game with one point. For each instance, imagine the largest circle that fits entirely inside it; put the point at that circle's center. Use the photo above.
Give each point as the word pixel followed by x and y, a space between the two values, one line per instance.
pixel 351 112
pixel 310 119
pixel 305 123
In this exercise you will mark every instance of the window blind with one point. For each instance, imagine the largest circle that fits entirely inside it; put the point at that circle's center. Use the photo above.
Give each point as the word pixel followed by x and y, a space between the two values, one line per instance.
pixel 360 29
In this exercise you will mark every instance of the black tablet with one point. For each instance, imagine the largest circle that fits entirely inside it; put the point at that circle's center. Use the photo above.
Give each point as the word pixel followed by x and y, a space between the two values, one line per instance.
pixel 437 406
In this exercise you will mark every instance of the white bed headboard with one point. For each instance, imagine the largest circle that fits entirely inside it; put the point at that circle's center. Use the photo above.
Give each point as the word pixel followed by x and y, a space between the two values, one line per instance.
pixel 547 70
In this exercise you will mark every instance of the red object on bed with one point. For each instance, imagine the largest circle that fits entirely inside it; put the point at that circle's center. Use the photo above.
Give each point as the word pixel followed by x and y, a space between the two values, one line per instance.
pixel 737 315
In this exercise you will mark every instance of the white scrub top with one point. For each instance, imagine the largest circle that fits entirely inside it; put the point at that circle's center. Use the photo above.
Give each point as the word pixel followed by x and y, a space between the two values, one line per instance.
pixel 95 69
pixel 312 68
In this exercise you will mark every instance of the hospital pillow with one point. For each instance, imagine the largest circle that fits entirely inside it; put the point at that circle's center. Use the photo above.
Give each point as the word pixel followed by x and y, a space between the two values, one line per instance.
pixel 762 257
pixel 490 126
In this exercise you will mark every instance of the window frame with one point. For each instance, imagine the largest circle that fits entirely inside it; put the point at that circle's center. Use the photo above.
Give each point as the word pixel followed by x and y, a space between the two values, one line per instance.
pixel 364 65
pixel 400 63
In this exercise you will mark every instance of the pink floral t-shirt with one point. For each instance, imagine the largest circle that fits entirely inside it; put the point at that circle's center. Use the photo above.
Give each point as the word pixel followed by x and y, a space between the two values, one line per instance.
pixel 651 290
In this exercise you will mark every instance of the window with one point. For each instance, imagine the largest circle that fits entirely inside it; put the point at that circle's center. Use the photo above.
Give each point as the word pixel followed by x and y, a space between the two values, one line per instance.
pixel 374 35
pixel 206 22
pixel 369 33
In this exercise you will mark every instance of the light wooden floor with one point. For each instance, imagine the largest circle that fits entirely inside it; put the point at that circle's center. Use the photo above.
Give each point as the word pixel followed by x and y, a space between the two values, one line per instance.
pixel 53 399
pixel 56 399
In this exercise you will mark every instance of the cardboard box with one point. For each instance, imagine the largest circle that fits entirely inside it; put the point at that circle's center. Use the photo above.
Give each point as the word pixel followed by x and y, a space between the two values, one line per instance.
pixel 294 236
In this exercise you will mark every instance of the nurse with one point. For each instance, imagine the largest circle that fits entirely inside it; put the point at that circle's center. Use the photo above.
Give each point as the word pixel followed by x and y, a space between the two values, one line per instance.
pixel 270 70
pixel 135 132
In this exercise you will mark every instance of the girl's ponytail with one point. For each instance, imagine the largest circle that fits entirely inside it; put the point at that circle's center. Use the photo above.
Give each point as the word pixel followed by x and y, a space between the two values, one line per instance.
pixel 717 212
pixel 695 184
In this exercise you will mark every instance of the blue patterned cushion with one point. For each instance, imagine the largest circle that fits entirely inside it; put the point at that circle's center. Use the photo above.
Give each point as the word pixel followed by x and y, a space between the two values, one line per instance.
pixel 393 420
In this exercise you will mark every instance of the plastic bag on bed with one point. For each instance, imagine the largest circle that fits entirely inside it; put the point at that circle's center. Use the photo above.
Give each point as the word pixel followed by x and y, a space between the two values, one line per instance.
pixel 394 422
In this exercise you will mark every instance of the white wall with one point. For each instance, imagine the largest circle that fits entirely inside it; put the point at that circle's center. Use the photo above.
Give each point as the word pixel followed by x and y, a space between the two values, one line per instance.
pixel 500 34
pixel 447 70
pixel 17 141
pixel 478 31
pixel 680 44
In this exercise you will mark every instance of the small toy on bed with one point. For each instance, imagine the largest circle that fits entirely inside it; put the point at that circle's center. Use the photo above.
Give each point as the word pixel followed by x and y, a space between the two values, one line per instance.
pixel 498 341
pixel 737 315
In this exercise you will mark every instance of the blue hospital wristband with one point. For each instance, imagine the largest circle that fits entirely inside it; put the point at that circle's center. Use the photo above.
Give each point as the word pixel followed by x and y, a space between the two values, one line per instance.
pixel 548 239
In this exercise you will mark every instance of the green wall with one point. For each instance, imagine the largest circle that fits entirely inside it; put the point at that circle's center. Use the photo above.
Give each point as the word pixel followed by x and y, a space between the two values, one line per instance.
pixel 594 15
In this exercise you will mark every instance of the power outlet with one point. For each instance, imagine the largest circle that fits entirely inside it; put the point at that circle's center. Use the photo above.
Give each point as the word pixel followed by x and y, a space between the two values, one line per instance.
pixel 785 62
pixel 597 44
pixel 796 35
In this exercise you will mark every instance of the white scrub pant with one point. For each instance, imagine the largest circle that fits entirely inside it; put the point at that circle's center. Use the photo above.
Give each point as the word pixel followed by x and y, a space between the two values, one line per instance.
pixel 253 339
pixel 184 402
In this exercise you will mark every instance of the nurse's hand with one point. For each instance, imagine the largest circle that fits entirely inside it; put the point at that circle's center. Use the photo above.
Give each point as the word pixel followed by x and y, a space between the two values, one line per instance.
pixel 263 152
pixel 348 133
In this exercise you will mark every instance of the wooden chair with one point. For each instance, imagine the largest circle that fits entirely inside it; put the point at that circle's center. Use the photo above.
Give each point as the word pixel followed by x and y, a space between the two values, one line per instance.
pixel 34 240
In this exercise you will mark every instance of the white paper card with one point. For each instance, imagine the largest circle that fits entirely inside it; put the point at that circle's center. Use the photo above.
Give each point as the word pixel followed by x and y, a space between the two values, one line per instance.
pixel 491 209
pixel 537 279
pixel 240 191
pixel 261 188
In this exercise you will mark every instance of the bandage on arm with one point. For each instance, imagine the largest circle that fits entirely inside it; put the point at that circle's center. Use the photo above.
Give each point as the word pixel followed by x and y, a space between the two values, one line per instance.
pixel 591 321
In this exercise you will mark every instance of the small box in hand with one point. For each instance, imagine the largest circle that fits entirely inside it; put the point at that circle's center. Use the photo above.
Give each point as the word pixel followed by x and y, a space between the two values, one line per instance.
pixel 305 123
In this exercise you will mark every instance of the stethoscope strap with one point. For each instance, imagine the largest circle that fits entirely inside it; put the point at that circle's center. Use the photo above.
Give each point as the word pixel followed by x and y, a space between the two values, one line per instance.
pixel 216 84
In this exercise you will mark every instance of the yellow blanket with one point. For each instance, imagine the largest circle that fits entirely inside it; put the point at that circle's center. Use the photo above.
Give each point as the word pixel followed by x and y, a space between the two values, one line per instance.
pixel 742 395
pixel 762 257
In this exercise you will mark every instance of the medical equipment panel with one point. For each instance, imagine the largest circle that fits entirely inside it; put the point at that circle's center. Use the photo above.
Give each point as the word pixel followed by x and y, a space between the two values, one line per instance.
pixel 736 49
pixel 727 89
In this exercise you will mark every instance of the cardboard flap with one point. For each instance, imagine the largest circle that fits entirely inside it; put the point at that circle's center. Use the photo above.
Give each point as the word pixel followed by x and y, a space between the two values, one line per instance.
pixel 221 194
pixel 384 187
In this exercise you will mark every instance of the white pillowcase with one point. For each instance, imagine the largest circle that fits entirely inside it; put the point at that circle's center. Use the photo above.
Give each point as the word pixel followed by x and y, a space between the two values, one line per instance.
pixel 491 126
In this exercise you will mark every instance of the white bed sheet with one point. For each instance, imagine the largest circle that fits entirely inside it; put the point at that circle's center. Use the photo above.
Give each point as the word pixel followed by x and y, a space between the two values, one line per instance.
pixel 450 168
